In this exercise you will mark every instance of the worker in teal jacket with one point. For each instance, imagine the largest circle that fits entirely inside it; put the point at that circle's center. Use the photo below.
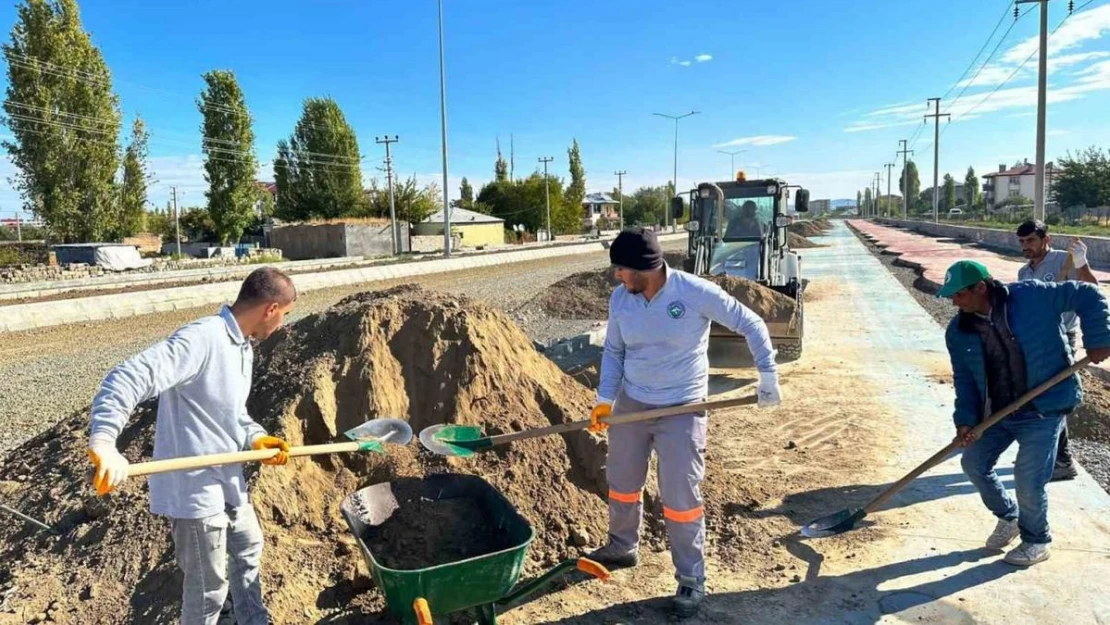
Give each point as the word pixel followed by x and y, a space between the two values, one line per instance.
pixel 1006 340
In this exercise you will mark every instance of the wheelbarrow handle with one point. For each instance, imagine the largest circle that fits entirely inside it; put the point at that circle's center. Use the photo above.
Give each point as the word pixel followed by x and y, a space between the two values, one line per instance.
pixel 977 431
pixel 423 611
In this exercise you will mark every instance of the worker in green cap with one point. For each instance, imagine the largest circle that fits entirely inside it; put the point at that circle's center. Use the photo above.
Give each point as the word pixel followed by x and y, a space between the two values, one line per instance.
pixel 1005 340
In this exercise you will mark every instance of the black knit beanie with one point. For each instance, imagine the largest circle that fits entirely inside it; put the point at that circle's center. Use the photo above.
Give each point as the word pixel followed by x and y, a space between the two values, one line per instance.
pixel 638 249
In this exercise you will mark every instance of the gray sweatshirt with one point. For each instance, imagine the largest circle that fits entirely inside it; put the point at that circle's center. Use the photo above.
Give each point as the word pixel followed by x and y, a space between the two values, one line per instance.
pixel 657 350
pixel 202 375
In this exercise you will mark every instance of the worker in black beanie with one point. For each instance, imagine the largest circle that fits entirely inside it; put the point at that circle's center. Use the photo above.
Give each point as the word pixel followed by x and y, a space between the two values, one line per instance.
pixel 655 356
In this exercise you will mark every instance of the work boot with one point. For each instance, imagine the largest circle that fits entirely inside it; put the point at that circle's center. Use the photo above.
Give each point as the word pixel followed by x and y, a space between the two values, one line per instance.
pixel 688 597
pixel 614 556
pixel 1004 533
pixel 1062 472
pixel 1027 554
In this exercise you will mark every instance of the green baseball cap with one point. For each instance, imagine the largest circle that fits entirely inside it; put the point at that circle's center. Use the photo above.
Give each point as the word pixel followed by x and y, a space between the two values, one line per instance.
pixel 961 275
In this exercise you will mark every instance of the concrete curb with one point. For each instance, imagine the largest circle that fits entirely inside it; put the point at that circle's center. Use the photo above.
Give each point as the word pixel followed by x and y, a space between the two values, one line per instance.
pixel 123 305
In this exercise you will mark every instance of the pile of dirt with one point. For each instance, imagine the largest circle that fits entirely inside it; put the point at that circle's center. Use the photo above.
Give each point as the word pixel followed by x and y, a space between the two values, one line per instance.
pixel 798 242
pixel 814 228
pixel 1090 420
pixel 586 295
pixel 406 353
pixel 426 532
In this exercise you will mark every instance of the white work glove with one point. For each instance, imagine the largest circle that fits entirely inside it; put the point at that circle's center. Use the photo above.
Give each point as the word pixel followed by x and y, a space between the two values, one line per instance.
pixel 111 466
pixel 1078 251
pixel 770 394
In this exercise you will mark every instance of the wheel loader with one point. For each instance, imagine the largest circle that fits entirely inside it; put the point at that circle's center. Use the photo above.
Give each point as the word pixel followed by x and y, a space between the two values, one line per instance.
pixel 738 228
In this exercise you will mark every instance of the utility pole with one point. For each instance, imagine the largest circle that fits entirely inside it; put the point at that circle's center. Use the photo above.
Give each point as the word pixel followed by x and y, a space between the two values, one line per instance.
pixel 18 227
pixel 547 195
pixel 889 169
pixel 620 191
pixel 443 137
pixel 176 220
pixel 936 157
pixel 732 156
pixel 905 178
pixel 1042 90
pixel 875 212
pixel 394 233
pixel 512 157
pixel 674 177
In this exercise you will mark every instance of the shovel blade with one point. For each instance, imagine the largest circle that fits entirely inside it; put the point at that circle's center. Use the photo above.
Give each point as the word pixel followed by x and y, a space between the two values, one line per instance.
pixel 394 431
pixel 451 440
pixel 833 524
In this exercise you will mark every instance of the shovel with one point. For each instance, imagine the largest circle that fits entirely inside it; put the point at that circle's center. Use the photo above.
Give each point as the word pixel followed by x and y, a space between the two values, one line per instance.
pixel 847 519
pixel 367 437
pixel 463 440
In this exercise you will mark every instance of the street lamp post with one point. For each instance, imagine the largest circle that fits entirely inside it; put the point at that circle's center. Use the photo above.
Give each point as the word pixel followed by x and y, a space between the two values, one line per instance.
pixel 674 178
pixel 443 137
pixel 732 158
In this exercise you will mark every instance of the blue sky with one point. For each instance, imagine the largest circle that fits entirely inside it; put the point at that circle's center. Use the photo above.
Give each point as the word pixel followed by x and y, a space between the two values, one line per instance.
pixel 816 92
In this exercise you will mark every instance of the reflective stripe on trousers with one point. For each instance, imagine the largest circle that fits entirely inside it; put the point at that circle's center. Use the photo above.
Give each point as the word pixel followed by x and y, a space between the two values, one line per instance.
pixel 679 443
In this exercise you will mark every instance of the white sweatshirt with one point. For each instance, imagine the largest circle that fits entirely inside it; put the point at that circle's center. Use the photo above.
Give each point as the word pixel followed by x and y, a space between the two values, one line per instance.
pixel 202 376
pixel 657 350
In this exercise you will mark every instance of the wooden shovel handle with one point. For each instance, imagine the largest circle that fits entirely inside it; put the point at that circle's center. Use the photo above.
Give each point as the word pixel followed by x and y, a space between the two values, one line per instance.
pixel 213 460
pixel 978 430
pixel 631 417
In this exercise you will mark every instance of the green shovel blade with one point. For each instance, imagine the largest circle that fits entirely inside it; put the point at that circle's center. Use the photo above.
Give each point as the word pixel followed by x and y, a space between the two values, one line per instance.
pixel 454 440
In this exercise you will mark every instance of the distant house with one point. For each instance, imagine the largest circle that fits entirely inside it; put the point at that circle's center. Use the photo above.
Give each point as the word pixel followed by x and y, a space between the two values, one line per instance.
pixel 1016 181
pixel 598 205
pixel 475 229
pixel 268 187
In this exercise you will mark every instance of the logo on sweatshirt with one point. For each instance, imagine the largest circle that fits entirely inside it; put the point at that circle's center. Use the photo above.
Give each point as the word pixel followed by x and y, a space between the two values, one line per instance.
pixel 1049 277
pixel 676 310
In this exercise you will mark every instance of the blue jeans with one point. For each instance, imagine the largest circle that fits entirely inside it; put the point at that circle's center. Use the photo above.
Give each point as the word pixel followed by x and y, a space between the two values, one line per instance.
pixel 1036 436
pixel 218 553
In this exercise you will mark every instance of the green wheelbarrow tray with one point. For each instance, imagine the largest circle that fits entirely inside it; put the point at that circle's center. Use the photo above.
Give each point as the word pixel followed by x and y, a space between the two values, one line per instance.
pixel 482 583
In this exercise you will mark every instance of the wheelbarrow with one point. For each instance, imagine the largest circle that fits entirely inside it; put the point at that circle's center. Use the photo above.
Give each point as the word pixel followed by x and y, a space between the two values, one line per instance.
pixel 481 584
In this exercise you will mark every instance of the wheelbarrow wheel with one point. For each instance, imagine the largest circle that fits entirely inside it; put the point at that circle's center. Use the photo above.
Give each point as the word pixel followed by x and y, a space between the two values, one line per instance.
pixel 423 611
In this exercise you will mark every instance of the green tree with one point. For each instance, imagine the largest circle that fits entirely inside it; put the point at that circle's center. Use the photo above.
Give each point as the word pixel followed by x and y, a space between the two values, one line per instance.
pixel 948 193
pixel 133 190
pixel 971 189
pixel 266 205
pixel 646 205
pixel 64 121
pixel 413 203
pixel 230 166
pixel 1083 179
pixel 867 202
pixel 576 191
pixel 500 169
pixel 910 172
pixel 317 170
pixel 466 194
pixel 523 202
pixel 859 201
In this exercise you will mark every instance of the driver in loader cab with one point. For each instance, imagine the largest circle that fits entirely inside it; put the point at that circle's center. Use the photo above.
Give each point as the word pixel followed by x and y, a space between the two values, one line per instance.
pixel 656 356
pixel 744 225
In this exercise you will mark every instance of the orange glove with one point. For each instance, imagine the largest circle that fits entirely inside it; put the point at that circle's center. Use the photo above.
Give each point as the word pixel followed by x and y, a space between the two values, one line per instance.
pixel 273 442
pixel 600 411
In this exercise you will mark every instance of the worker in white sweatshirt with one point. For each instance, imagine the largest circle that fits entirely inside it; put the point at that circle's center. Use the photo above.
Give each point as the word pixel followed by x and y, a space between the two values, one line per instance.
pixel 202 376
pixel 656 356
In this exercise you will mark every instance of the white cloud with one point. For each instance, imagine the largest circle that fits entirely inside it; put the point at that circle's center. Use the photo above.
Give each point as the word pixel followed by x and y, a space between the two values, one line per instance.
pixel 702 58
pixel 1091 73
pixel 761 140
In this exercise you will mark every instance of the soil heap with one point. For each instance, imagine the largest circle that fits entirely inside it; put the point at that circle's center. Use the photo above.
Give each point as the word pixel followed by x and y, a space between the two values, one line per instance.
pixel 814 228
pixel 586 296
pixel 405 353
pixel 798 242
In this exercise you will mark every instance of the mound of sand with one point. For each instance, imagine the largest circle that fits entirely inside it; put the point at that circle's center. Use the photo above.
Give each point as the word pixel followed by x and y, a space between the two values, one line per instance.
pixel 406 353
pixel 798 242
pixel 586 296
pixel 814 228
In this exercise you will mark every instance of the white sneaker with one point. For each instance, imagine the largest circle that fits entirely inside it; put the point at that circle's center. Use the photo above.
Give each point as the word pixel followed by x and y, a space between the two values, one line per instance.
pixel 1004 533
pixel 1027 554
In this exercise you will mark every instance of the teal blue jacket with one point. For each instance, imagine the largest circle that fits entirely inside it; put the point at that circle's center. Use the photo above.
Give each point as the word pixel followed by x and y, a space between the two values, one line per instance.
pixel 1033 309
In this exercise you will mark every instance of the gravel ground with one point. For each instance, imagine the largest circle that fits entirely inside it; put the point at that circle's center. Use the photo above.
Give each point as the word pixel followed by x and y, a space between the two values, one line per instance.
pixel 48 373
pixel 1093 455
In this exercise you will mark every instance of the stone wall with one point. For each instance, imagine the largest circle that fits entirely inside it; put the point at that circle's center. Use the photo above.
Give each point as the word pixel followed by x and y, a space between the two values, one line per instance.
pixel 429 244
pixel 1098 248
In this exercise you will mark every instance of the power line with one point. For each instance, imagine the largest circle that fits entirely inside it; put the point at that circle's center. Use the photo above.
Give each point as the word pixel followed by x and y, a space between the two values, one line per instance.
pixel 1005 13
pixel 989 57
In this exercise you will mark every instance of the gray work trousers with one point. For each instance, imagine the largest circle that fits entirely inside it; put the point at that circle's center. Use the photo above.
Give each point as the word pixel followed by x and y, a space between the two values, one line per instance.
pixel 215 553
pixel 679 443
